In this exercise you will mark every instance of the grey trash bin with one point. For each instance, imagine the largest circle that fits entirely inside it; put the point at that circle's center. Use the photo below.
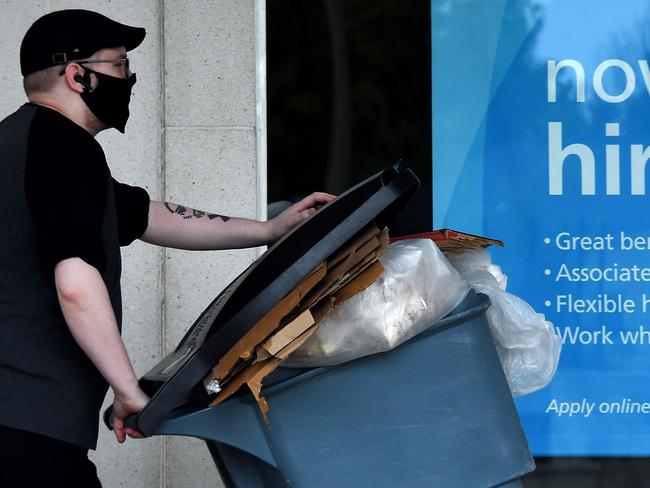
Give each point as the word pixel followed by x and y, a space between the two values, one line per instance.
pixel 434 412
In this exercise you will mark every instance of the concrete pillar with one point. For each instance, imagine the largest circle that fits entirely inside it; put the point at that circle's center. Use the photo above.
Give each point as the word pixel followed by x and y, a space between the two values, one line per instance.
pixel 197 137
pixel 211 146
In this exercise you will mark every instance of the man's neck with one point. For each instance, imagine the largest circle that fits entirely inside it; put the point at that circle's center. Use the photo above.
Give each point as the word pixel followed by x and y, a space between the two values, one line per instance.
pixel 78 117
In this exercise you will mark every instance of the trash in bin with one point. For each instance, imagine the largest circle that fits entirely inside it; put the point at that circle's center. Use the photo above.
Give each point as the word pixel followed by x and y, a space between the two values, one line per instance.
pixel 418 288
pixel 297 316
pixel 528 344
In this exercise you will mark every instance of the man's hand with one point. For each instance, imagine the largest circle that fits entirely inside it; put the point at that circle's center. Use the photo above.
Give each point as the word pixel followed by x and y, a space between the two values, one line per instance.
pixel 123 406
pixel 296 214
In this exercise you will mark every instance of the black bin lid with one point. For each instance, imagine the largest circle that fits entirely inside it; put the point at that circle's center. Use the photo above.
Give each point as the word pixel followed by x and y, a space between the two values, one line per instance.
pixel 177 379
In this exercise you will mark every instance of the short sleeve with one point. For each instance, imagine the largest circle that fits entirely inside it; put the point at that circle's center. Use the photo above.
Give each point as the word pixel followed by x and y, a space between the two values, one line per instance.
pixel 66 192
pixel 132 205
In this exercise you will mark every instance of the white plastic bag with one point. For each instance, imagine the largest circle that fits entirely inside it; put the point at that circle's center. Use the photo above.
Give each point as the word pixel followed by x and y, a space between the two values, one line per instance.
pixel 528 345
pixel 470 262
pixel 418 288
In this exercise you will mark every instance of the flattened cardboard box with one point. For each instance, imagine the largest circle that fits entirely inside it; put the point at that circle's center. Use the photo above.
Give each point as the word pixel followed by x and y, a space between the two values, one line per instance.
pixel 344 274
pixel 265 327
pixel 453 240
pixel 275 350
pixel 343 266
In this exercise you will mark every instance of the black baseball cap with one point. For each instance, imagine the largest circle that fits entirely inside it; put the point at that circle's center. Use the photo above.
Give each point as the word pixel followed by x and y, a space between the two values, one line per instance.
pixel 66 35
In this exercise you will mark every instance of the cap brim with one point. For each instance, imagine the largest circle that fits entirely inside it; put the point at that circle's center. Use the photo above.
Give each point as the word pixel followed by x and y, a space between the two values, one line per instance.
pixel 129 37
pixel 134 37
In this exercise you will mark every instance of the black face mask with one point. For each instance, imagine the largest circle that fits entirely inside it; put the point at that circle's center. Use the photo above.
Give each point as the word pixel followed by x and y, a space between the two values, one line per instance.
pixel 109 101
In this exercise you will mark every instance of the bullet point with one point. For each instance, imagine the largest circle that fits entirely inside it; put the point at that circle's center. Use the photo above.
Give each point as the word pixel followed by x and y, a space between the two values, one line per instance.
pixel 547 240
pixel 547 272
pixel 547 303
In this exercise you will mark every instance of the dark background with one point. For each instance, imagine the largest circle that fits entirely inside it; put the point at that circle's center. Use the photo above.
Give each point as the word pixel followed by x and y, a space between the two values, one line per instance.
pixel 349 93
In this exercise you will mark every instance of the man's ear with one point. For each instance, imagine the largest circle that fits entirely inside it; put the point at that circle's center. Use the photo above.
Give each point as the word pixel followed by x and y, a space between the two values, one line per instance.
pixel 74 78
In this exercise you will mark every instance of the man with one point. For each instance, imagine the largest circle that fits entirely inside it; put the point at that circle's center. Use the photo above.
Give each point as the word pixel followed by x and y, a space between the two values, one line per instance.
pixel 64 219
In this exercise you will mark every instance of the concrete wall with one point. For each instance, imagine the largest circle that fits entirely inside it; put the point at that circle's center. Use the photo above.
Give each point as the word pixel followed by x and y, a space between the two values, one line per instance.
pixel 197 137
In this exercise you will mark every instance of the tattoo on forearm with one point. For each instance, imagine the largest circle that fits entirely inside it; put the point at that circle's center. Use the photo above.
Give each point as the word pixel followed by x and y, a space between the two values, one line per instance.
pixel 190 213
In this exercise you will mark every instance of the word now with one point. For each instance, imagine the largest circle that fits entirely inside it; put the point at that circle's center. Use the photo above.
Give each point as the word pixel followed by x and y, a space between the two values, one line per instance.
pixel 553 68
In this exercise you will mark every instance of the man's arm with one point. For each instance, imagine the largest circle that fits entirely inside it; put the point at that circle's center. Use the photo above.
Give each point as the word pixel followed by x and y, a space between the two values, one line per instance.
pixel 173 225
pixel 88 312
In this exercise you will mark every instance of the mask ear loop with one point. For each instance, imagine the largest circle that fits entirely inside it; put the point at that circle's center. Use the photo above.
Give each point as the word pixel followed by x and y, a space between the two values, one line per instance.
pixel 85 80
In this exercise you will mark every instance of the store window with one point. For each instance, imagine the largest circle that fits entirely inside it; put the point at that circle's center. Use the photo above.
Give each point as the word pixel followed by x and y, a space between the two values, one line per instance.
pixel 538 136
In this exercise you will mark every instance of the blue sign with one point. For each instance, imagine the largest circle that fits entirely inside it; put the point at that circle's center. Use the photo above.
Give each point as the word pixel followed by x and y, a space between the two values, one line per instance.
pixel 541 137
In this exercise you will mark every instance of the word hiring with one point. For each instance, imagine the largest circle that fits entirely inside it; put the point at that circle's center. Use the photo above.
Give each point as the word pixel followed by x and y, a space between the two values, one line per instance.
pixel 558 153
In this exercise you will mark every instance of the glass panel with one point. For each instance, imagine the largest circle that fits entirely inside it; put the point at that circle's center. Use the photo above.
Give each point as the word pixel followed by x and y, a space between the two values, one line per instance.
pixel 539 138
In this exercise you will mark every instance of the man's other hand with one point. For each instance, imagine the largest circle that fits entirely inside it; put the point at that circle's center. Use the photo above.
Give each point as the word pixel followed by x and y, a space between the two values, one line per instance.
pixel 296 214
pixel 123 406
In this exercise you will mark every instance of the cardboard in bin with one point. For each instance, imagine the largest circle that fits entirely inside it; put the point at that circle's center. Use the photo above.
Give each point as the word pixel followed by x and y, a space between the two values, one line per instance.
pixel 325 280
pixel 175 383
pixel 297 316
pixel 453 240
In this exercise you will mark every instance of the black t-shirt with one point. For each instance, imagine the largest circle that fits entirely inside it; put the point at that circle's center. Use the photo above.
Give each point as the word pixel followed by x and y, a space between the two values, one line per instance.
pixel 57 201
pixel 66 186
